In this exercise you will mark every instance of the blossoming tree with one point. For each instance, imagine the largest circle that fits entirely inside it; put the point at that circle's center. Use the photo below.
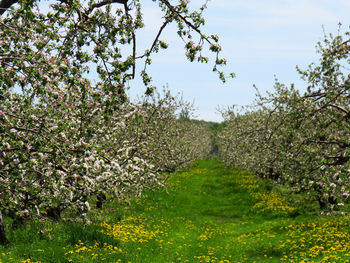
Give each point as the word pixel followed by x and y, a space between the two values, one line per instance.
pixel 68 131
pixel 301 140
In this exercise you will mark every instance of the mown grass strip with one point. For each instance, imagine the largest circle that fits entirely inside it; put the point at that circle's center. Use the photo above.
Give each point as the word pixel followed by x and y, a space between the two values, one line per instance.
pixel 207 214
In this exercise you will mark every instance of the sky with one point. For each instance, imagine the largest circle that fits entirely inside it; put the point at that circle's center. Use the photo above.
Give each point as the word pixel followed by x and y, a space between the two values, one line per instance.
pixel 260 39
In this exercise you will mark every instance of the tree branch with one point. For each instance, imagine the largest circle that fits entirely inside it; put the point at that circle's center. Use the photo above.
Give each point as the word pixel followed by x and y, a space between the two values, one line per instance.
pixel 126 10
pixel 103 3
pixel 5 4
pixel 340 108
pixel 181 17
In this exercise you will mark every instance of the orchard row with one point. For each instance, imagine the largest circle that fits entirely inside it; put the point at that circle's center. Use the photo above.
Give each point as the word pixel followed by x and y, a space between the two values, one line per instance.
pixel 56 154
pixel 301 140
pixel 69 134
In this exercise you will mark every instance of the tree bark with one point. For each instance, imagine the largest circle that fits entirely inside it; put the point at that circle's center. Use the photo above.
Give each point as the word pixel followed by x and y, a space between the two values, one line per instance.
pixel 3 238
pixel 5 4
pixel 101 197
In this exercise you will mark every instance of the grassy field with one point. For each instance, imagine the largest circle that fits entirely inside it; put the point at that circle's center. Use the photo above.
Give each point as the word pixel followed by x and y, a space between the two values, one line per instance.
pixel 207 214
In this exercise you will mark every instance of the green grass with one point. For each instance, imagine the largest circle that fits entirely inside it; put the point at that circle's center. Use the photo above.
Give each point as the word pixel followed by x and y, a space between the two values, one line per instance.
pixel 208 213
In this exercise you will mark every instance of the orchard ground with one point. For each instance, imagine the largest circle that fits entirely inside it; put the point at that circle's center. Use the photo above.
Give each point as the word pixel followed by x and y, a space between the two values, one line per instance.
pixel 208 213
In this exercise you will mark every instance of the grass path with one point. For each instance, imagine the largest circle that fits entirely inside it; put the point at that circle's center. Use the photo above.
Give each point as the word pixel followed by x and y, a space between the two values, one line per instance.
pixel 207 214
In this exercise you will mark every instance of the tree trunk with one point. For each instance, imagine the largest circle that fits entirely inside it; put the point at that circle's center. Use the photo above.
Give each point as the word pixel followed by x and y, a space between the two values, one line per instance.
pixel 54 213
pixel 101 197
pixel 3 238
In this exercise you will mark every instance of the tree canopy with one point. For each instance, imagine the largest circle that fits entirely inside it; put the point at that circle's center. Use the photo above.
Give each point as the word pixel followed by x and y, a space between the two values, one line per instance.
pixel 301 140
pixel 69 134
pixel 60 42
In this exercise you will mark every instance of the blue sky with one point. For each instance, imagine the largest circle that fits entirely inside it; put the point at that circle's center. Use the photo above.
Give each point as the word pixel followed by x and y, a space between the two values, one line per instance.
pixel 260 39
